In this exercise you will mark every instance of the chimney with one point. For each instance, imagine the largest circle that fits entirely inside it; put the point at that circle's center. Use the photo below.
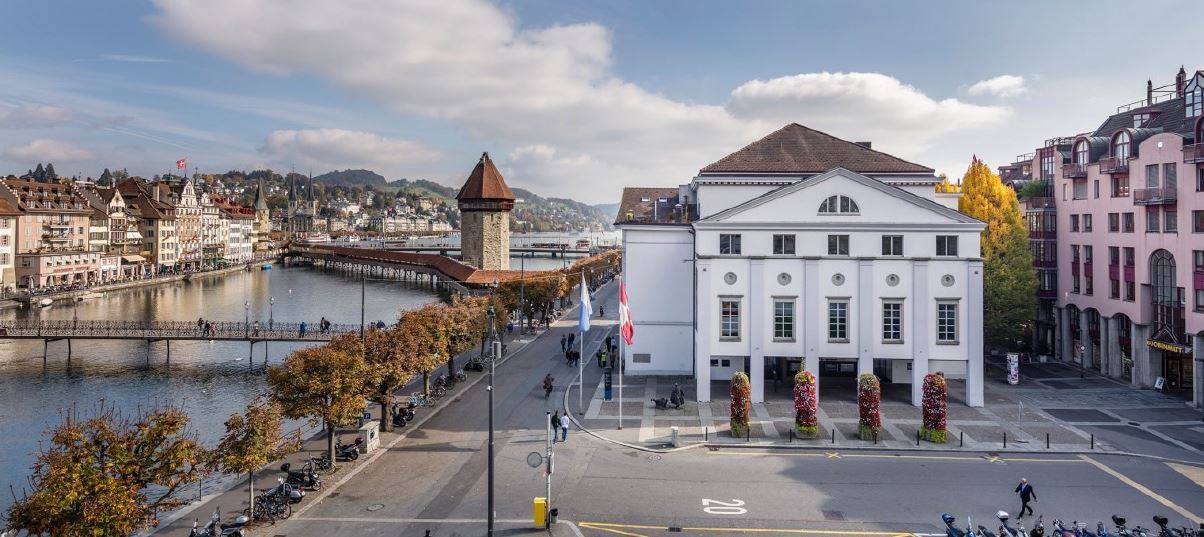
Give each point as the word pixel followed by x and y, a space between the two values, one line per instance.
pixel 1149 92
pixel 867 145
pixel 1180 82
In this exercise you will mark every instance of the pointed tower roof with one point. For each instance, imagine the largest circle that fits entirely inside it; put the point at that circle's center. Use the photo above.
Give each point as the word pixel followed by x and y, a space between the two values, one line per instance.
pixel 261 199
pixel 485 189
pixel 309 191
pixel 292 187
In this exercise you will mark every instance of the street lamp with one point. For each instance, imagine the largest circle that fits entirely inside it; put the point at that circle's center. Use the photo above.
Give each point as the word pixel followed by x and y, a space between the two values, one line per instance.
pixel 494 351
pixel 246 320
pixel 271 311
pixel 522 289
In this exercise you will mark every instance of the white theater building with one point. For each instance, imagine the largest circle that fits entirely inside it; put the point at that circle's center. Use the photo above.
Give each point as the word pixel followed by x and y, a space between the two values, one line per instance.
pixel 804 251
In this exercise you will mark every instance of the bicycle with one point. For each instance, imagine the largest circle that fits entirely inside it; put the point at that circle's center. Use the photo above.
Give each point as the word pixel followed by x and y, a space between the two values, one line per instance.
pixel 418 399
pixel 461 376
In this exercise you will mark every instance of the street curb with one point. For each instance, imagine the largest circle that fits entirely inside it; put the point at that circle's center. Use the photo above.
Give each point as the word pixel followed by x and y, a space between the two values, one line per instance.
pixel 190 508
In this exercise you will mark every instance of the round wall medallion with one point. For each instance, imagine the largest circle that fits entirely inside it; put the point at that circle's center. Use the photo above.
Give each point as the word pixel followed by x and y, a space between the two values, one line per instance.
pixel 784 279
pixel 838 279
pixel 947 280
pixel 730 278
pixel 892 280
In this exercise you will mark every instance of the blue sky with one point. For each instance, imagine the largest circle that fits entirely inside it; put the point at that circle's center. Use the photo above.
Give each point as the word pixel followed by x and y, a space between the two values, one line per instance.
pixel 571 98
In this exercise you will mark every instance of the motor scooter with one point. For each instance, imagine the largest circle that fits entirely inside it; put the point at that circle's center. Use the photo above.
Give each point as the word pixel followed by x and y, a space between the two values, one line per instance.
pixel 215 527
pixel 305 477
pixel 951 530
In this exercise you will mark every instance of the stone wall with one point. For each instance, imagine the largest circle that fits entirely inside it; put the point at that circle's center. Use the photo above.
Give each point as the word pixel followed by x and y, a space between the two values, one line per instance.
pixel 485 239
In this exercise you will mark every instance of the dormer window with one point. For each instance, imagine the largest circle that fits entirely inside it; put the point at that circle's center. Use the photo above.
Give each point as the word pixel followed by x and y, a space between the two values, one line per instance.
pixel 1120 145
pixel 1082 152
pixel 838 205
pixel 1139 120
pixel 1193 96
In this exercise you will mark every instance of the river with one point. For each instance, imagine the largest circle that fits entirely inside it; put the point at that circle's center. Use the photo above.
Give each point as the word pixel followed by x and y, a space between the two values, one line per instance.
pixel 208 380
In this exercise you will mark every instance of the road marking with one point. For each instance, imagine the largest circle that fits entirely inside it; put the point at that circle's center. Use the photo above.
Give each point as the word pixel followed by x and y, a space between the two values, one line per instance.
pixel 839 455
pixel 716 507
pixel 832 455
pixel 413 520
pixel 1142 489
pixel 618 530
pixel 1194 473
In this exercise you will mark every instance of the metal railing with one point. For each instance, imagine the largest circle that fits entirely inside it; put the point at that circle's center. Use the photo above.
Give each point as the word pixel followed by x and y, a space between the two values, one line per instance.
pixel 1074 170
pixel 1113 165
pixel 1155 196
pixel 220 330
pixel 1193 153
pixel 1041 203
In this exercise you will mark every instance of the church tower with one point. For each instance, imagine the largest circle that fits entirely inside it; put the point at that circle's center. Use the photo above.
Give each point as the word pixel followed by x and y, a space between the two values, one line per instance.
pixel 485 203
pixel 263 216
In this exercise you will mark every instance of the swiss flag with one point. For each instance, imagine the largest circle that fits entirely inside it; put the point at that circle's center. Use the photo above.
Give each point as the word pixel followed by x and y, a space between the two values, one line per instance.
pixel 626 329
pixel 182 163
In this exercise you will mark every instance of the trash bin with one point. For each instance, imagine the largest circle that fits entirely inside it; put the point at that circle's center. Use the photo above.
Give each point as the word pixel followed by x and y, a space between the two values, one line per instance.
pixel 539 512
pixel 552 515
pixel 673 436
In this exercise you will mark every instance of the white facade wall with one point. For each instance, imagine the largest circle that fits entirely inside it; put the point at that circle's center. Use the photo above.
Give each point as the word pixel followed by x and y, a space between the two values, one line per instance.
pixel 664 297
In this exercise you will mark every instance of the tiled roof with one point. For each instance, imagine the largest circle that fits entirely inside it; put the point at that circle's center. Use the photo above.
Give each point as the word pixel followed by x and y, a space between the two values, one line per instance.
pixel 447 266
pixel 637 206
pixel 485 183
pixel 1171 118
pixel 8 209
pixel 795 149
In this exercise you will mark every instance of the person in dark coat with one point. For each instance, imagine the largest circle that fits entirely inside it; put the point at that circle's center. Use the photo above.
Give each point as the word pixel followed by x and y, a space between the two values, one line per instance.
pixel 1027 494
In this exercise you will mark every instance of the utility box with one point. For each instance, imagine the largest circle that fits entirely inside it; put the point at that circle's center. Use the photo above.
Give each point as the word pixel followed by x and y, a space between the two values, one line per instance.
pixel 539 512
pixel 369 431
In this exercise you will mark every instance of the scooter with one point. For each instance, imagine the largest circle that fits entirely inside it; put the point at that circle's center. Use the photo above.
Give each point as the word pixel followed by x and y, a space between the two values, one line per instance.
pixel 1080 530
pixel 348 452
pixel 1038 529
pixel 215 528
pixel 952 531
pixel 294 493
pixel 1005 530
pixel 1060 530
pixel 302 478
pixel 1163 531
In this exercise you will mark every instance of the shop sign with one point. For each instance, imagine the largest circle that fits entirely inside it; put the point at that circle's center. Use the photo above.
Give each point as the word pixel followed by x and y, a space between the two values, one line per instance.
pixel 1168 347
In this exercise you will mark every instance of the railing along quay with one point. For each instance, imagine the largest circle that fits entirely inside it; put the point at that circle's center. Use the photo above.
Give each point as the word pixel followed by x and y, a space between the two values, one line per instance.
pixel 169 330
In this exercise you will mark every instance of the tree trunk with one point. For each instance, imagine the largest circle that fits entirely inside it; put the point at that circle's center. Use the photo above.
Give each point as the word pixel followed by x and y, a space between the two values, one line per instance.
pixel 386 424
pixel 426 382
pixel 251 491
pixel 451 369
pixel 330 442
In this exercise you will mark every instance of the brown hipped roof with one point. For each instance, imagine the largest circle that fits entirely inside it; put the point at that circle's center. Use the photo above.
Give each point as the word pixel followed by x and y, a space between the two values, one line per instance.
pixel 796 149
pixel 485 183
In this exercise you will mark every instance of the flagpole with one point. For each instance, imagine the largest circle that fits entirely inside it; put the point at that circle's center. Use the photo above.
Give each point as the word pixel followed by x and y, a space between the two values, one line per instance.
pixel 612 360
pixel 581 355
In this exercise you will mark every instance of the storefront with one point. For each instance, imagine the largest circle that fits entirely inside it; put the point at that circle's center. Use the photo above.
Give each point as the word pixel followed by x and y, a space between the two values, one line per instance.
pixel 1176 362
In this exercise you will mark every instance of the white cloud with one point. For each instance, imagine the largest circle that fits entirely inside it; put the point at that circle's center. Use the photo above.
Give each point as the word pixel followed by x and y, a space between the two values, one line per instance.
pixel 48 150
pixel 131 58
pixel 861 106
pixel 338 148
pixel 1000 86
pixel 548 96
pixel 32 116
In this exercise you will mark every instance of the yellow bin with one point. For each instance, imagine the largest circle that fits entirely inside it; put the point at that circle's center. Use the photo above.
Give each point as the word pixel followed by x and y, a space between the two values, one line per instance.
pixel 539 512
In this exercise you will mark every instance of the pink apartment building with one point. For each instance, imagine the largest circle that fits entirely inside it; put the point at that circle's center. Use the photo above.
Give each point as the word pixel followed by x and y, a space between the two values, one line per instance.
pixel 1118 242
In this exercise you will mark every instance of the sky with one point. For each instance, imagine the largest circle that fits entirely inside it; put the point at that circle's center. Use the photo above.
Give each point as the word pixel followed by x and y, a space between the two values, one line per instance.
pixel 570 98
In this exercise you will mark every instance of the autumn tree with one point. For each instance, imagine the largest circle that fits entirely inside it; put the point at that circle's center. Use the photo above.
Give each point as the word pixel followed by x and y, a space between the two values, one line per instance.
pixel 253 438
pixel 388 368
pixel 421 339
pixel 108 474
pixel 323 384
pixel 1009 280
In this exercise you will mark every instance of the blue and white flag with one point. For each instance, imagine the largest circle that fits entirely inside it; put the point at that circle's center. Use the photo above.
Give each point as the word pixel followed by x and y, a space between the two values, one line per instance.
pixel 586 307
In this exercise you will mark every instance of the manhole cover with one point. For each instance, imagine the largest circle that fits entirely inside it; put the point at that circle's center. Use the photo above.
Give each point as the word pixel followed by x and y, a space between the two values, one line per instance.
pixel 654 458
pixel 333 494
pixel 456 400
pixel 833 515
pixel 376 507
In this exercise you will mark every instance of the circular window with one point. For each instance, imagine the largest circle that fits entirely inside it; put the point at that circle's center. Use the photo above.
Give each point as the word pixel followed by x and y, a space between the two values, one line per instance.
pixel 784 279
pixel 947 280
pixel 892 280
pixel 838 279
pixel 730 278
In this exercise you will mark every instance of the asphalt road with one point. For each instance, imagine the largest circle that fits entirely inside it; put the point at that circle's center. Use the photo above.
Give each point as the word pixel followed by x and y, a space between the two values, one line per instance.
pixel 436 479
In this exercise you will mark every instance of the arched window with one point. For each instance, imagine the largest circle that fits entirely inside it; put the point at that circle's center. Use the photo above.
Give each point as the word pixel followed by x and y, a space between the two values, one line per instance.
pixel 1081 152
pixel 839 205
pixel 1162 276
pixel 1120 145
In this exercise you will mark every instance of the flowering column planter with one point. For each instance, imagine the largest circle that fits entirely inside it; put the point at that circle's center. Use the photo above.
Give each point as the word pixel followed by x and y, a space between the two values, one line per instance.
pixel 806 424
pixel 869 397
pixel 935 403
pixel 741 404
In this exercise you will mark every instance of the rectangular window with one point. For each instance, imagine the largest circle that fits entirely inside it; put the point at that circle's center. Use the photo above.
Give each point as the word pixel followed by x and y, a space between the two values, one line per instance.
pixel 1080 190
pixel 783 319
pixel 838 321
pixel 1113 288
pixel 1120 186
pixel 1199 179
pixel 1074 253
pixel 1151 176
pixel 1170 220
pixel 946 245
pixel 1129 222
pixel 729 244
pixel 1197 221
pixel 729 318
pixel 783 245
pixel 1114 255
pixel 892 245
pixel 1153 220
pixel 1087 223
pixel 1096 189
pixel 1088 252
pixel 838 245
pixel 1089 282
pixel 1170 176
pixel 1113 222
pixel 1129 256
pixel 946 322
pixel 1130 291
pixel 1074 222
pixel 892 321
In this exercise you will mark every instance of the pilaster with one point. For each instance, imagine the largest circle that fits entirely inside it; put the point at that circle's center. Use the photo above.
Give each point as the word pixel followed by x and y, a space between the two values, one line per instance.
pixel 702 332
pixel 757 305
pixel 917 330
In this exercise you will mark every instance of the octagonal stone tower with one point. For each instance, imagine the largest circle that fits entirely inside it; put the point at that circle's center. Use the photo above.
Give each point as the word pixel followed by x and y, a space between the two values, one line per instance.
pixel 485 203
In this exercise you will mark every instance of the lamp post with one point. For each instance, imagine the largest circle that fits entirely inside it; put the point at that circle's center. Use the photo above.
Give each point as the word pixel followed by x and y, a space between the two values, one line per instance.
pixel 271 312
pixel 522 290
pixel 495 349
pixel 246 319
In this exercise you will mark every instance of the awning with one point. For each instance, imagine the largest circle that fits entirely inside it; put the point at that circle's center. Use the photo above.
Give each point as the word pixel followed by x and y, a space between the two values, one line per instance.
pixel 133 259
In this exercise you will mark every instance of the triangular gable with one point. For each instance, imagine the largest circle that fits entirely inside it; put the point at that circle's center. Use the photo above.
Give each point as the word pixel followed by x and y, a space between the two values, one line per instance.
pixel 869 183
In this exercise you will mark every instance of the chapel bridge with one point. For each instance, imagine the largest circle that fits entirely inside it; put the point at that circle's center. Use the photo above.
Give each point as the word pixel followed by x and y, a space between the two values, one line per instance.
pixel 168 331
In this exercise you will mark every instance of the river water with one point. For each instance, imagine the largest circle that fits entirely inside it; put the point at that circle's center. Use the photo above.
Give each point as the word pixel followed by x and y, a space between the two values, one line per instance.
pixel 208 380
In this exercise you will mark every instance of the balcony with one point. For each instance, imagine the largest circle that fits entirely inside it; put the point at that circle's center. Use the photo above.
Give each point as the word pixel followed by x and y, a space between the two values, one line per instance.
pixel 1155 196
pixel 59 225
pixel 1113 165
pixel 1045 263
pixel 1193 154
pixel 1040 203
pixel 1047 293
pixel 1042 235
pixel 1074 171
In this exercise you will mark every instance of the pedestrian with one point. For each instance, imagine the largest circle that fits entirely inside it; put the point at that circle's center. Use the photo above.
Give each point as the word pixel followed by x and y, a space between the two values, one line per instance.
pixel 609 341
pixel 1027 494
pixel 301 330
pixel 200 324
pixel 555 424
pixel 572 339
pixel 564 343
pixel 564 427
pixel 256 332
pixel 603 360
pixel 510 326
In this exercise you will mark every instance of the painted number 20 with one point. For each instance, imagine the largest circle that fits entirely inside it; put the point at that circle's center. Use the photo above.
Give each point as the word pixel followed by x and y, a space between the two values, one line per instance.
pixel 716 507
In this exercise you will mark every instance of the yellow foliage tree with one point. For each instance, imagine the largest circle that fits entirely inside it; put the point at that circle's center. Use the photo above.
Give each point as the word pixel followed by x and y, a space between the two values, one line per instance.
pixel 1009 280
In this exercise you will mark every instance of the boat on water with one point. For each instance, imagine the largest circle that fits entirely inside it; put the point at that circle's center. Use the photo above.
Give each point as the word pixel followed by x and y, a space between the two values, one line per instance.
pixel 265 266
pixel 313 238
pixel 582 244
pixel 45 302
pixel 87 296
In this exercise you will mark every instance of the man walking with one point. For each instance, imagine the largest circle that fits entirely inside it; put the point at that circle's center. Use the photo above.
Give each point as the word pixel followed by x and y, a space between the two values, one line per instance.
pixel 555 423
pixel 564 427
pixel 1027 494
pixel 564 343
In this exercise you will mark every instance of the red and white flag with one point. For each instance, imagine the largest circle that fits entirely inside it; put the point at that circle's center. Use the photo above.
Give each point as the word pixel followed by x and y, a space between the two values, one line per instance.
pixel 182 163
pixel 626 328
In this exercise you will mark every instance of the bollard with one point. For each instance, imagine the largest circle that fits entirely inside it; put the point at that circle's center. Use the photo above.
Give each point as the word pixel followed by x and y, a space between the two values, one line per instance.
pixel 833 435
pixel 706 434
pixel 1005 440
pixel 1046 440
pixel 961 439
pixel 875 436
pixel 792 435
pixel 1092 441
pixel 917 437
pixel 748 433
